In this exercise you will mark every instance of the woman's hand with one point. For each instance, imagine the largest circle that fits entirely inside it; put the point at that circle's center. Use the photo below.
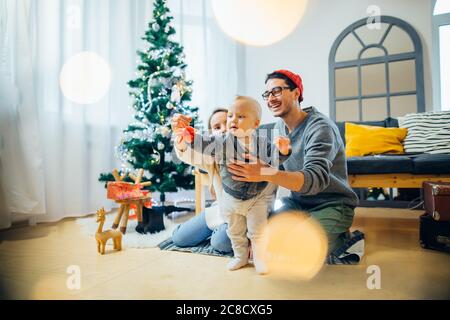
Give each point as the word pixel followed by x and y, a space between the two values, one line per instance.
pixel 255 171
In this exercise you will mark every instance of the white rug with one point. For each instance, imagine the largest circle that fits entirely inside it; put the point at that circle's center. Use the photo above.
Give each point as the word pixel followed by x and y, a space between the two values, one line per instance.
pixel 131 239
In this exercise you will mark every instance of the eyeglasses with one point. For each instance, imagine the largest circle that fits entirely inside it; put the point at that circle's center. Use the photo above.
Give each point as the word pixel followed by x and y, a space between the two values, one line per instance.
pixel 276 92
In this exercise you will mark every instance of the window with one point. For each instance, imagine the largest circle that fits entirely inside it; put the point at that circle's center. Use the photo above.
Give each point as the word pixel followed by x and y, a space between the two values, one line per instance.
pixel 212 57
pixel 376 71
pixel 441 7
pixel 441 52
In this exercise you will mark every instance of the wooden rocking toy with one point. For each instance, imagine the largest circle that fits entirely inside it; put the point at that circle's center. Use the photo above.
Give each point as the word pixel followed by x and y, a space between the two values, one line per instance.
pixel 102 236
pixel 126 204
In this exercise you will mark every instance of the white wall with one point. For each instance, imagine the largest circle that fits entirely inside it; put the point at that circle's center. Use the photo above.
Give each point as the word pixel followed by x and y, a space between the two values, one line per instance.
pixel 306 50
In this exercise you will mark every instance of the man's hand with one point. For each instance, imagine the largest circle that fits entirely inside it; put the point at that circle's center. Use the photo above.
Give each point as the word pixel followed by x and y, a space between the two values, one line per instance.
pixel 255 171
pixel 283 144
pixel 259 171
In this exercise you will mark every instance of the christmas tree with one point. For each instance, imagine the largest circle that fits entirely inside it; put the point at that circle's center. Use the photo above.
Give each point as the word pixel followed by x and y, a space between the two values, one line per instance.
pixel 159 91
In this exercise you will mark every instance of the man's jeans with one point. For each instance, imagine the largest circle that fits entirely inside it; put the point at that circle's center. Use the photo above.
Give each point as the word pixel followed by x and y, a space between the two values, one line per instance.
pixel 335 218
pixel 194 231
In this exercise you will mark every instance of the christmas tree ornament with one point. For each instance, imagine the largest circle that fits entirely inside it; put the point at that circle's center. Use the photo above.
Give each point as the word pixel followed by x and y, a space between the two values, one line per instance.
pixel 175 95
pixel 153 81
pixel 155 27
pixel 177 72
pixel 161 146
pixel 170 105
pixel 165 82
pixel 165 132
pixel 156 157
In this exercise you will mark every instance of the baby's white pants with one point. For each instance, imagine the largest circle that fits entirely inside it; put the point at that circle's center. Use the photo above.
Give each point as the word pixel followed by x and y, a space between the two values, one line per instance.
pixel 246 220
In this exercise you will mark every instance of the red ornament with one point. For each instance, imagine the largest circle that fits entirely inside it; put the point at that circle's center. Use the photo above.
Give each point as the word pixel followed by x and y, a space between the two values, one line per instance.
pixel 188 134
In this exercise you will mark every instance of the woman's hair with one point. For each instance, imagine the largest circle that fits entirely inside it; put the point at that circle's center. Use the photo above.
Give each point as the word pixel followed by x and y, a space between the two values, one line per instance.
pixel 213 113
pixel 211 187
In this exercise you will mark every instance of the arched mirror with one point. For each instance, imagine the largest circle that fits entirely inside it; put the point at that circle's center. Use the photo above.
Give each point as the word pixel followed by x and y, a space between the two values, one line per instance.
pixel 376 71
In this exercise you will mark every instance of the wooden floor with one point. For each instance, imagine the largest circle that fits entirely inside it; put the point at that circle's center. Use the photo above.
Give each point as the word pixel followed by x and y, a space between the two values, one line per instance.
pixel 34 262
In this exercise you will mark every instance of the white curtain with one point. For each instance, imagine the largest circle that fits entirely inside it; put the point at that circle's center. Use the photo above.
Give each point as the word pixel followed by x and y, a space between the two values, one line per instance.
pixel 52 150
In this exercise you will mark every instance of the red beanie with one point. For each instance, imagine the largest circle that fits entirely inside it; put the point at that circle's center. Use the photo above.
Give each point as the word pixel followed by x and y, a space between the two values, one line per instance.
pixel 295 78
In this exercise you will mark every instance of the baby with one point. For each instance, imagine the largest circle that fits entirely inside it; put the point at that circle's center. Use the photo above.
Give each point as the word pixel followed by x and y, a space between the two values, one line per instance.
pixel 245 205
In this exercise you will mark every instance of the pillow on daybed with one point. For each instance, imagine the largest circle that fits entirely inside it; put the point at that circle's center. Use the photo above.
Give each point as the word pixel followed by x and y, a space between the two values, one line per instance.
pixel 362 140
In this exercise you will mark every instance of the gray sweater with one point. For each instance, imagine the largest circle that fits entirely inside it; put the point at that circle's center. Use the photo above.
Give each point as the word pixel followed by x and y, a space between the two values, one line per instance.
pixel 225 147
pixel 318 151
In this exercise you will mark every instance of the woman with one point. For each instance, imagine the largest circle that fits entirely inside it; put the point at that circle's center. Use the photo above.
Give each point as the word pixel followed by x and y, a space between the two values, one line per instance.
pixel 208 224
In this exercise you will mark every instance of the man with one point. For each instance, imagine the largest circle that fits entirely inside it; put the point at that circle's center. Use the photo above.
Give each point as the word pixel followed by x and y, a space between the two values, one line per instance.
pixel 316 171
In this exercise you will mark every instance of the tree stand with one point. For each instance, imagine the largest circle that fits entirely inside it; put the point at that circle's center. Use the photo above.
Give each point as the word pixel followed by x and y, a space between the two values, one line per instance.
pixel 152 220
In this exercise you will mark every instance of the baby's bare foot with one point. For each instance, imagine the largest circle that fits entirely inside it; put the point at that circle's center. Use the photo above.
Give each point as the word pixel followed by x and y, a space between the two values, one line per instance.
pixel 236 263
pixel 260 266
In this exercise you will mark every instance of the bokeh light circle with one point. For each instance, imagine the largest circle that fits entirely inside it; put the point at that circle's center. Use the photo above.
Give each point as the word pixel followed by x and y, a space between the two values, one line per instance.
pixel 257 22
pixel 295 246
pixel 85 78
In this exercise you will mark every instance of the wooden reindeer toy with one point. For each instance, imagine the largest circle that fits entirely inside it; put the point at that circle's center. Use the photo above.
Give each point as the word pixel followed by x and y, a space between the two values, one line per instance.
pixel 102 236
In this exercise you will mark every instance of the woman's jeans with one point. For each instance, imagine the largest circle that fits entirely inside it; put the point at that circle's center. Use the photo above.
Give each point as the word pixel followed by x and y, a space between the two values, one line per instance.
pixel 335 218
pixel 194 231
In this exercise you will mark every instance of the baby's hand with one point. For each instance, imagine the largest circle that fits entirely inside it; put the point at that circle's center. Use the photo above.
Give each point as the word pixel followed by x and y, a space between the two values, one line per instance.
pixel 283 144
pixel 179 122
pixel 186 134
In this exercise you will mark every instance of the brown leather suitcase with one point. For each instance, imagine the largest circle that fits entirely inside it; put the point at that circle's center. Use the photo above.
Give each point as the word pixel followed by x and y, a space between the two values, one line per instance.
pixel 437 200
pixel 434 234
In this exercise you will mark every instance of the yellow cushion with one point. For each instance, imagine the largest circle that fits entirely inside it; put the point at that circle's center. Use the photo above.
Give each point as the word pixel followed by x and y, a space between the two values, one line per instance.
pixel 362 140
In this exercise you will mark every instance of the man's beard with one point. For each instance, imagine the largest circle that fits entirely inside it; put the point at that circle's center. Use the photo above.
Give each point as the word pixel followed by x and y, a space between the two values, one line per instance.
pixel 284 113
